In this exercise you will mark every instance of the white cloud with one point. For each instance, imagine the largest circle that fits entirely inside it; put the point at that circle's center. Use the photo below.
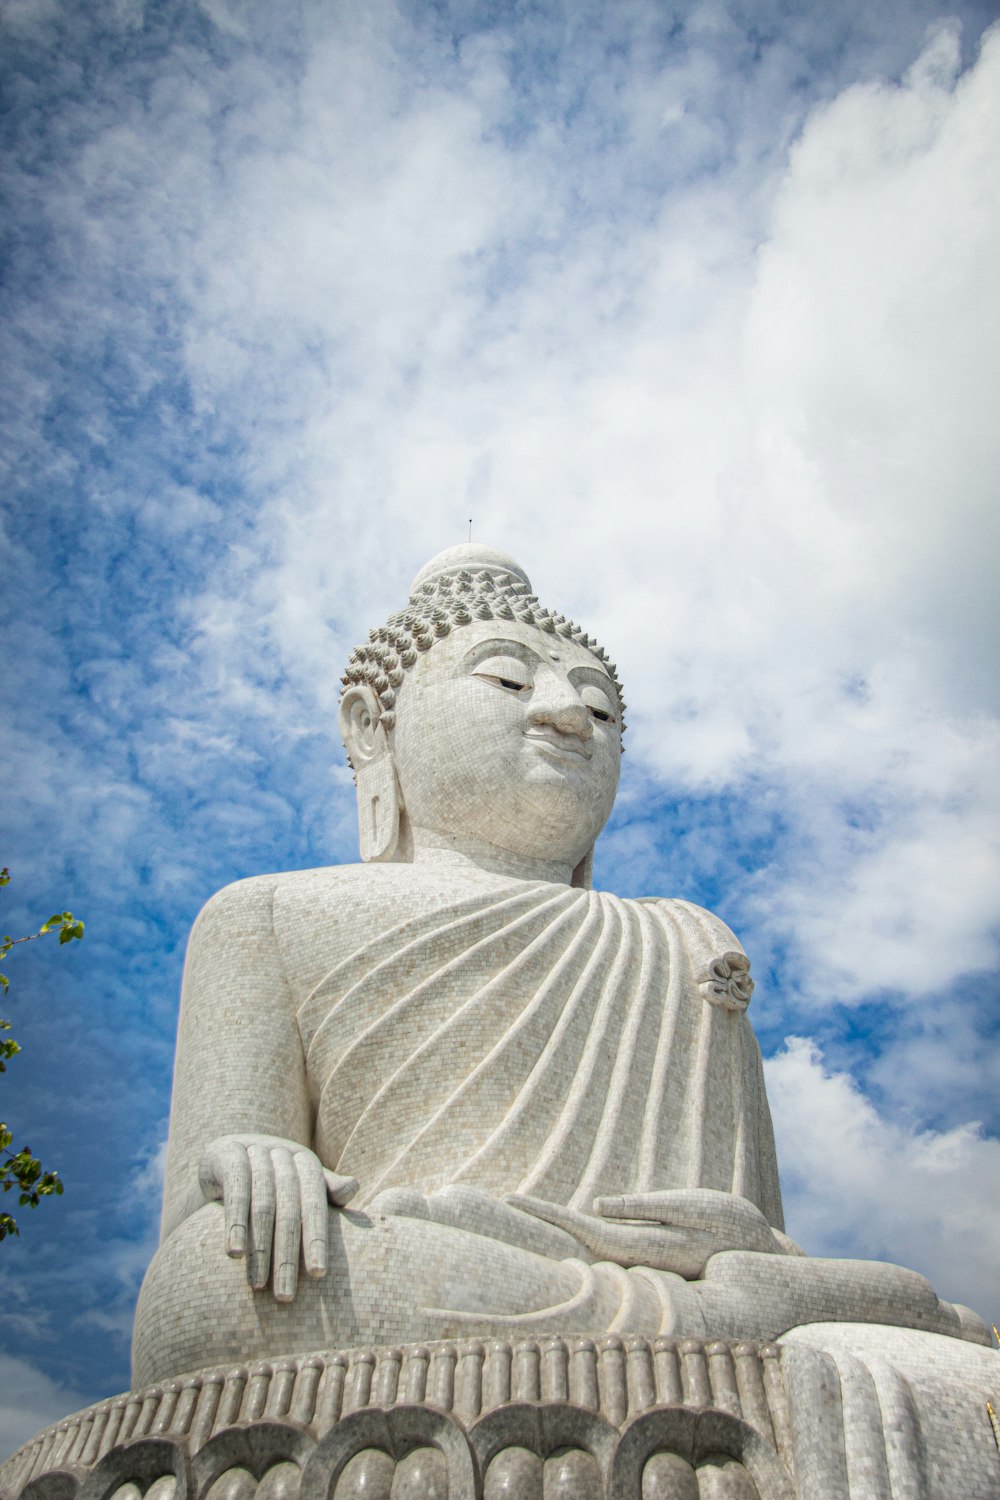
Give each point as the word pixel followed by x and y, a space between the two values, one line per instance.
pixel 858 1184
pixel 873 360
pixel 30 1401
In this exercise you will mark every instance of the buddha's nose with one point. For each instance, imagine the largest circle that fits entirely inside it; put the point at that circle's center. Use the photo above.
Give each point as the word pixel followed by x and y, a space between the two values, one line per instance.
pixel 558 704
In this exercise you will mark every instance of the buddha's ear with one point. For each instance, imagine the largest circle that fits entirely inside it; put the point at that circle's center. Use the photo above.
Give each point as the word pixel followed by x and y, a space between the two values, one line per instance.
pixel 367 746
pixel 363 736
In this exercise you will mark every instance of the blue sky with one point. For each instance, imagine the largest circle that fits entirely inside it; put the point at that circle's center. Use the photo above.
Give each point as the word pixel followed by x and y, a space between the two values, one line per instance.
pixel 694 309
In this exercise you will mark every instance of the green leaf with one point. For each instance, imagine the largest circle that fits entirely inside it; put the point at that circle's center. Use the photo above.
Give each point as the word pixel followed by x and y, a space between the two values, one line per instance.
pixel 19 1170
pixel 8 1048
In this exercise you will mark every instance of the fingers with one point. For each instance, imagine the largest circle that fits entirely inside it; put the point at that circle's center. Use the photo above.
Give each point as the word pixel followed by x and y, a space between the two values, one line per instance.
pixel 224 1174
pixel 275 1197
pixel 262 1212
pixel 598 1236
pixel 637 1206
pixel 312 1194
pixel 287 1224
pixel 683 1251
pixel 733 1222
pixel 340 1190
pixel 237 1199
pixel 694 1208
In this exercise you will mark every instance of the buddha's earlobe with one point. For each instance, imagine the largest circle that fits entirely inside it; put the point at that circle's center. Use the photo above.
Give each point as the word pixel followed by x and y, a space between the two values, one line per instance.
pixel 367 746
pixel 378 809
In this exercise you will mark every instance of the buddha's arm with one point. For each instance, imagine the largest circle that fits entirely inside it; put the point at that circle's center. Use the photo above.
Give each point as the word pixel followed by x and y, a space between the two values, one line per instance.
pixel 240 1125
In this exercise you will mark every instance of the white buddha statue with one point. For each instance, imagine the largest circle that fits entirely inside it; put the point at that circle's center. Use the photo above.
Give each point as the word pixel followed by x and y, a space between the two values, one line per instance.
pixel 452 1090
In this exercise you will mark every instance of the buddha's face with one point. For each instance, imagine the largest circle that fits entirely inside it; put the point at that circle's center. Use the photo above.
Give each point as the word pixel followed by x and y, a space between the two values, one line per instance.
pixel 507 734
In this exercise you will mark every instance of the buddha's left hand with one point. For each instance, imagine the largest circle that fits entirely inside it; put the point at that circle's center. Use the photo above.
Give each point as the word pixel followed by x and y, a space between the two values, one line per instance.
pixel 677 1230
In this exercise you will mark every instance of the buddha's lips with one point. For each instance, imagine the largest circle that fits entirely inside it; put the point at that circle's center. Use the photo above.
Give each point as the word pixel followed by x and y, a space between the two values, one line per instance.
pixel 581 750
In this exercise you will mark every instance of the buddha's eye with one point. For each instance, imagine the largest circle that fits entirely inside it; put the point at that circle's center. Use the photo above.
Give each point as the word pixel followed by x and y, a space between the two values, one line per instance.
pixel 505 672
pixel 598 702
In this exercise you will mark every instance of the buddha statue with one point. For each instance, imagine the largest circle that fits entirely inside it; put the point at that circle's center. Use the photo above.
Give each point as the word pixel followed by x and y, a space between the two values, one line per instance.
pixel 454 1091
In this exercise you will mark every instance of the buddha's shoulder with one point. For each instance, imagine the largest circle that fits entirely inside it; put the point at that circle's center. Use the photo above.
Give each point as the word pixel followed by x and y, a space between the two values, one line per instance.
pixel 331 895
pixel 693 921
pixel 362 899
pixel 315 919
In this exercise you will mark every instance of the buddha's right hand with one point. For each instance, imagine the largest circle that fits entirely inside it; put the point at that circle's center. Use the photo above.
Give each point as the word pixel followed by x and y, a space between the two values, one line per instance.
pixel 275 1194
pixel 678 1230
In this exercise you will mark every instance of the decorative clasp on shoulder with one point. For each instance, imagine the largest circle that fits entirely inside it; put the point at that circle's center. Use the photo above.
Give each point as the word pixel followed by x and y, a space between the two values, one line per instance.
pixel 726 982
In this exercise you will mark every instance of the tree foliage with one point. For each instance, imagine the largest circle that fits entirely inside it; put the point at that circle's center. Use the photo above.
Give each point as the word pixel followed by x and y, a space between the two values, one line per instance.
pixel 20 1171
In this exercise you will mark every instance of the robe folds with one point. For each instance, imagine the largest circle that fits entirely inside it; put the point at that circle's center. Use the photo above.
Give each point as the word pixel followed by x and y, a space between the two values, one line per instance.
pixel 544 1040
pixel 464 1038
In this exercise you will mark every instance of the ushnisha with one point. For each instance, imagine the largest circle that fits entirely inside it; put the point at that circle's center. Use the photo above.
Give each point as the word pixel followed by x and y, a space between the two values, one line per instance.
pixel 452 1090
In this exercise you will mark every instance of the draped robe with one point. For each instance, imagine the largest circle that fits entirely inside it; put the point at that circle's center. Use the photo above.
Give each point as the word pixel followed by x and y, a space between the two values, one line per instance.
pixel 539 1039
pixel 505 1038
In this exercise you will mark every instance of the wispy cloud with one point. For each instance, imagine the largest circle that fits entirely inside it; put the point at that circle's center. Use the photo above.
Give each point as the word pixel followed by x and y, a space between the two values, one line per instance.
pixel 857 1184
pixel 31 1401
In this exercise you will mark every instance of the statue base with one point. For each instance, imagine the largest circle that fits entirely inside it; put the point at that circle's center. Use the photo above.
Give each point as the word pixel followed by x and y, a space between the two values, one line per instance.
pixel 845 1411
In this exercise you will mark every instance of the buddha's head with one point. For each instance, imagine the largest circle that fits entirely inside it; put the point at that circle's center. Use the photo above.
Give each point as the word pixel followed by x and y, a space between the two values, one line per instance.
pixel 478 719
